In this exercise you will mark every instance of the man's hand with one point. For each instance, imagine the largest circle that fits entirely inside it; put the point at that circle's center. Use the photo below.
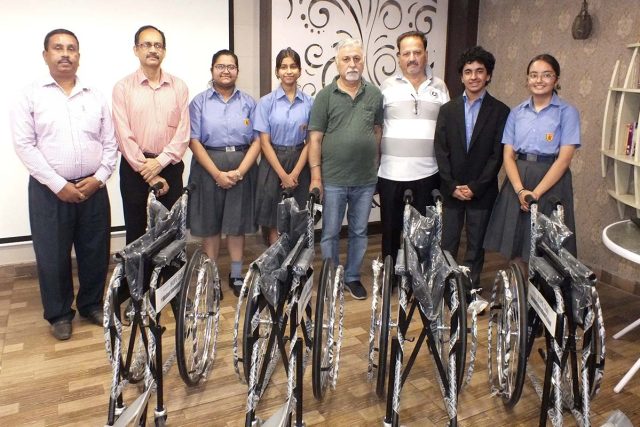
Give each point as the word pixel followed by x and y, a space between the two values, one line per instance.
pixel 165 185
pixel 316 183
pixel 70 194
pixel 462 192
pixel 88 186
pixel 150 169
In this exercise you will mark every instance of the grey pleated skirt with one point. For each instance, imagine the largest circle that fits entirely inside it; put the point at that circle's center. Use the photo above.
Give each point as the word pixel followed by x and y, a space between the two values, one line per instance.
pixel 269 192
pixel 509 229
pixel 214 210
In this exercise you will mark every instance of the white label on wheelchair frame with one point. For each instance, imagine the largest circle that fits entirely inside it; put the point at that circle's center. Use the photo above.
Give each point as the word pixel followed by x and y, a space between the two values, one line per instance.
pixel 169 289
pixel 543 308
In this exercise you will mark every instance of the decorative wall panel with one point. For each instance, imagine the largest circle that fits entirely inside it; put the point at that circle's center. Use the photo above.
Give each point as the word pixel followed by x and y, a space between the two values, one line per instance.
pixel 313 27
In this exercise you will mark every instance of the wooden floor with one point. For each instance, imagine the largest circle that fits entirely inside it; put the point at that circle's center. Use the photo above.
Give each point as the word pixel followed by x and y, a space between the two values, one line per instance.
pixel 48 382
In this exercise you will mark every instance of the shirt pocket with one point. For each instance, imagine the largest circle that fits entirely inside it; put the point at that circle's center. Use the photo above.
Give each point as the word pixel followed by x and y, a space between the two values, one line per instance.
pixel 173 118
pixel 92 125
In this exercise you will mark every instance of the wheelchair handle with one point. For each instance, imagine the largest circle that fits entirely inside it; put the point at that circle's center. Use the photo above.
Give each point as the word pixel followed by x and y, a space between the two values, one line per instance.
pixel 408 196
pixel 314 196
pixel 155 188
pixel 555 201
pixel 437 195
pixel 189 188
pixel 530 200
pixel 286 194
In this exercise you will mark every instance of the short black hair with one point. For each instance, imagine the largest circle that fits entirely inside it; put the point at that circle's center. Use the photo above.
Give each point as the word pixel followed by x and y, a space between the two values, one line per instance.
pixel 477 54
pixel 221 52
pixel 288 53
pixel 136 38
pixel 418 34
pixel 58 31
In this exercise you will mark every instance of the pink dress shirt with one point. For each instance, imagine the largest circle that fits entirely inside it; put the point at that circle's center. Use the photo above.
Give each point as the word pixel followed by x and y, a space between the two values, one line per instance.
pixel 60 137
pixel 148 120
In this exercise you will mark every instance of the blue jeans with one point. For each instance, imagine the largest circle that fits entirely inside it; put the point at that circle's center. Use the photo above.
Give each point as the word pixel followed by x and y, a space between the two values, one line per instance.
pixel 335 201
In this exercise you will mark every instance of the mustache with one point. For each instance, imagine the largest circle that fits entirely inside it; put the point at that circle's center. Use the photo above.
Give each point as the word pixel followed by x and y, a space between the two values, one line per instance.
pixel 153 55
pixel 412 63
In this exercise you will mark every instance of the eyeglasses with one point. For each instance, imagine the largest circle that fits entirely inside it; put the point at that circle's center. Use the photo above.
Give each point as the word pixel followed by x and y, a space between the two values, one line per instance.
pixel 222 67
pixel 148 45
pixel 415 104
pixel 544 76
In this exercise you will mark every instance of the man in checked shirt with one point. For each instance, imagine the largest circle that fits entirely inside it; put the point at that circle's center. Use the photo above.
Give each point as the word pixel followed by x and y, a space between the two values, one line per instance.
pixel 63 133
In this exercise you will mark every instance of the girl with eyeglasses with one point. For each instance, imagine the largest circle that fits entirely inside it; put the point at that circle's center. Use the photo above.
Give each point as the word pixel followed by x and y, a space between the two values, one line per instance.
pixel 282 117
pixel 540 138
pixel 225 148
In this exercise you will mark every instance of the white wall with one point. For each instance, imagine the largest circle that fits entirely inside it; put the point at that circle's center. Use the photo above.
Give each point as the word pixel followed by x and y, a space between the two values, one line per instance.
pixel 194 30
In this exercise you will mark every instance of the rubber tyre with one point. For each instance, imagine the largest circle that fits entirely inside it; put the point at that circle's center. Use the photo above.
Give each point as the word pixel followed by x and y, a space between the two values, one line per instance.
pixel 385 318
pixel 324 311
pixel 197 316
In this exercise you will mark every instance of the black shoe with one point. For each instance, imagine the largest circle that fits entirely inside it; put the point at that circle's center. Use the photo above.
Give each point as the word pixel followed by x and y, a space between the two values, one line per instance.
pixel 96 317
pixel 61 329
pixel 356 289
pixel 235 283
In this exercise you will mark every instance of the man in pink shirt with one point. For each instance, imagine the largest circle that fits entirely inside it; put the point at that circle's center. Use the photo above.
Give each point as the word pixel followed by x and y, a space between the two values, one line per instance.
pixel 151 118
pixel 62 132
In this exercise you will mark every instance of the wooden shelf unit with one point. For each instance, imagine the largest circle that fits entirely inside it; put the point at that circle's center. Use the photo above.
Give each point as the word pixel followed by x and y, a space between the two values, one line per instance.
pixel 621 108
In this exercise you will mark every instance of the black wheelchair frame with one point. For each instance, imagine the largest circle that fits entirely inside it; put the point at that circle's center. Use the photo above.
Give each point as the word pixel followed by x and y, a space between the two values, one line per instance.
pixel 554 278
pixel 268 325
pixel 150 273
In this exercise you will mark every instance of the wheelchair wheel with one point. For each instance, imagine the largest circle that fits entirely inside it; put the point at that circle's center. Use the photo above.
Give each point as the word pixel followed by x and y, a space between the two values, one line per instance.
pixel 323 331
pixel 256 333
pixel 451 329
pixel 590 354
pixel 248 288
pixel 123 337
pixel 507 335
pixel 197 321
pixel 384 319
pixel 598 349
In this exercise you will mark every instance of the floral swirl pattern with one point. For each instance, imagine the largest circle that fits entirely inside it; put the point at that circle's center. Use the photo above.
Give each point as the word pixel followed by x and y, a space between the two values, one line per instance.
pixel 313 28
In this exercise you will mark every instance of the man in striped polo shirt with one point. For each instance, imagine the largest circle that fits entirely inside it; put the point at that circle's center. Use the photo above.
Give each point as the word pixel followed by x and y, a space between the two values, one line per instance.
pixel 412 100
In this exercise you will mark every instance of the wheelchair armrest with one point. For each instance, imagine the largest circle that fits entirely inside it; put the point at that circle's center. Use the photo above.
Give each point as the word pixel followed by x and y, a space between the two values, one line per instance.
pixel 303 262
pixel 549 274
pixel 169 252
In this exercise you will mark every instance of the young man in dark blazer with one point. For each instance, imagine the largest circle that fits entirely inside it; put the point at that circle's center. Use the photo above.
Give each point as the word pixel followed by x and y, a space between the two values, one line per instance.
pixel 469 154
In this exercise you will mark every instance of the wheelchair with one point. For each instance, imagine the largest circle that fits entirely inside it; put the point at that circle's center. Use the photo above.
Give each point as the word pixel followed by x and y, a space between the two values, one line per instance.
pixel 274 320
pixel 431 286
pixel 559 301
pixel 150 273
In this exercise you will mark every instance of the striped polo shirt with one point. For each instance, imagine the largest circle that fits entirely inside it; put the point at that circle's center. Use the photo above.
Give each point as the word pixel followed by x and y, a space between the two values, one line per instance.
pixel 409 127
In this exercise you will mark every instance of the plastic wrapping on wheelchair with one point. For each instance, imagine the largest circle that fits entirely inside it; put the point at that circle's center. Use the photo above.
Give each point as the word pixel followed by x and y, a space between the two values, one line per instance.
pixel 552 231
pixel 425 260
pixel 274 263
pixel 273 269
pixel 168 225
pixel 291 219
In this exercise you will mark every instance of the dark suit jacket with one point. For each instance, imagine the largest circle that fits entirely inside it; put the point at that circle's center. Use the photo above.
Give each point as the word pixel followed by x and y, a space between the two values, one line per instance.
pixel 478 168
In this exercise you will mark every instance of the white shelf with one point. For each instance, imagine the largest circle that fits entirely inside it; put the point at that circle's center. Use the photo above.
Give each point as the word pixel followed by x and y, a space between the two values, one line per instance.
pixel 622 107
pixel 625 90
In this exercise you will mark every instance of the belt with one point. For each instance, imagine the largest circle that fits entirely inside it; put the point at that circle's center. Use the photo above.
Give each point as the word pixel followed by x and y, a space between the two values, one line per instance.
pixel 150 155
pixel 539 158
pixel 287 148
pixel 77 180
pixel 229 148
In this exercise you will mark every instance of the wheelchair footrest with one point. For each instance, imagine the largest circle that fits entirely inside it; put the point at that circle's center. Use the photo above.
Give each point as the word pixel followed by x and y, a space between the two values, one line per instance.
pixel 132 414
